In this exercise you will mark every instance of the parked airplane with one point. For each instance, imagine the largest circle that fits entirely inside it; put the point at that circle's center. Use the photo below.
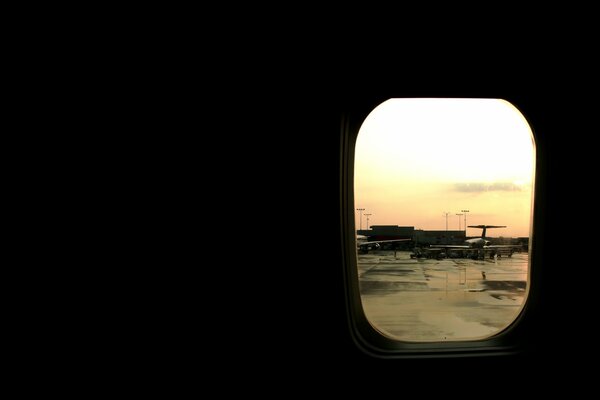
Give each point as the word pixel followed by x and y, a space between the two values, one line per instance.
pixel 363 245
pixel 482 244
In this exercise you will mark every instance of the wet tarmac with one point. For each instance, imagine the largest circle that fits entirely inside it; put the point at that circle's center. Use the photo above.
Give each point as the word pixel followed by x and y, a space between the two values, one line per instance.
pixel 451 299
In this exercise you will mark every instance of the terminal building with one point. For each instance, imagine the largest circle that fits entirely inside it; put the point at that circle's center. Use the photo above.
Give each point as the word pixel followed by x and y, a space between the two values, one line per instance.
pixel 421 237
pixel 418 236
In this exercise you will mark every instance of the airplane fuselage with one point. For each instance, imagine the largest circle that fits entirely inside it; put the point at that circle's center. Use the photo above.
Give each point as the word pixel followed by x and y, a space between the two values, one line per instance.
pixel 477 243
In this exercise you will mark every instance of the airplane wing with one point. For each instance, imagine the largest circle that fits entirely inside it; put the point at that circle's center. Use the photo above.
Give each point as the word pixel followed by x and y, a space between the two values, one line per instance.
pixel 449 246
pixel 386 241
pixel 365 246
pixel 362 244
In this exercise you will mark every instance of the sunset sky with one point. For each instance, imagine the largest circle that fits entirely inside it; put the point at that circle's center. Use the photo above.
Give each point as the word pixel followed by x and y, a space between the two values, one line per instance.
pixel 417 159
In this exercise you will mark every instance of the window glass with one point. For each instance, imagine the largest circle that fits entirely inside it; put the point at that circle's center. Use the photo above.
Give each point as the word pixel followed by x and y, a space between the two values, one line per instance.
pixel 443 192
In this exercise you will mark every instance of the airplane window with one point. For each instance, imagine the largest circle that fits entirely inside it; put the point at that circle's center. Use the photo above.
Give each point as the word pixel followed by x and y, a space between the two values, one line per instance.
pixel 443 199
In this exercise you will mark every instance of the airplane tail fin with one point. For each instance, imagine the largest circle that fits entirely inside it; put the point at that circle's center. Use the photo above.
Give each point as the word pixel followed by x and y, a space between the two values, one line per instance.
pixel 484 227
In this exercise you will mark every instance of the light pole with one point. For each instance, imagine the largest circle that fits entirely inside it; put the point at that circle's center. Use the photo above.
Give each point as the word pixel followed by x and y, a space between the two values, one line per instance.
pixel 459 215
pixel 446 213
pixel 367 215
pixel 361 210
pixel 465 211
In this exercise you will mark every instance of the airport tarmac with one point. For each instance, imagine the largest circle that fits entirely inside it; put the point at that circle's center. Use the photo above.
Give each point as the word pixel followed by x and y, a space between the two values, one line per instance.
pixel 449 299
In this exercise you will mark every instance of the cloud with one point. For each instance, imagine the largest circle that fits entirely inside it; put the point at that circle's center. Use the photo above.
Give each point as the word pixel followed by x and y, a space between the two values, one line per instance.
pixel 477 187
